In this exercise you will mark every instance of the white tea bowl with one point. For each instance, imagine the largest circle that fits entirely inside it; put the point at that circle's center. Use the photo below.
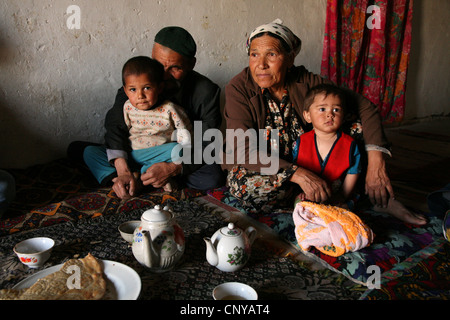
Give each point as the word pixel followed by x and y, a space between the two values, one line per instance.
pixel 234 291
pixel 34 252
pixel 126 229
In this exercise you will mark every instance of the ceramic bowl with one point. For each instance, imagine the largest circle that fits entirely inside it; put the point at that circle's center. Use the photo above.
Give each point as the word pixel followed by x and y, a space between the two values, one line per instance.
pixel 34 252
pixel 234 291
pixel 126 229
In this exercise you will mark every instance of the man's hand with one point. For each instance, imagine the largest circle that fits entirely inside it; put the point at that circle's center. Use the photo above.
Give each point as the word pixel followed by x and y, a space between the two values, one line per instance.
pixel 315 188
pixel 125 183
pixel 160 173
pixel 378 184
pixel 125 186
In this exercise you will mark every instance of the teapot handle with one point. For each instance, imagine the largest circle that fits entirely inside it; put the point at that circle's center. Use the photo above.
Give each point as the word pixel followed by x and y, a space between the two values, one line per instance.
pixel 251 234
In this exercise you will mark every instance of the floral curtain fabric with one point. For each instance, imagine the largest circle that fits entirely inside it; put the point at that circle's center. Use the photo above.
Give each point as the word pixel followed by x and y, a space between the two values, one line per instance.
pixel 366 49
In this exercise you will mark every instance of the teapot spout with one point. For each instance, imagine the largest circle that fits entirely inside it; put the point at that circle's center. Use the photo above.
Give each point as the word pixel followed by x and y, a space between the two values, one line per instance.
pixel 211 252
pixel 151 257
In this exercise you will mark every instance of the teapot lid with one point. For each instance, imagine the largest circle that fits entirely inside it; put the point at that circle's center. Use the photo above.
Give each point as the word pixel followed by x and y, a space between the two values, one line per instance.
pixel 157 215
pixel 231 230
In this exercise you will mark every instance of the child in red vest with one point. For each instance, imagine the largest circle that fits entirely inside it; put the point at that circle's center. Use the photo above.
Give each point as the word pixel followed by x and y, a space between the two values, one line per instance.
pixel 326 150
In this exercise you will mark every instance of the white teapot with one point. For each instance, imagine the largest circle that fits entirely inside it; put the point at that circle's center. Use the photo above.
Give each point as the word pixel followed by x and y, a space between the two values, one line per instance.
pixel 229 248
pixel 158 242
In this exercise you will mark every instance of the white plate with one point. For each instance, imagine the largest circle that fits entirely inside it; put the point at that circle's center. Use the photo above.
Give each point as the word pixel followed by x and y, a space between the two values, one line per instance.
pixel 123 283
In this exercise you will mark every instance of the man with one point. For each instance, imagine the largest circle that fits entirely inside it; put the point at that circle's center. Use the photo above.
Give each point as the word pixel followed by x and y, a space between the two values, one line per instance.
pixel 175 49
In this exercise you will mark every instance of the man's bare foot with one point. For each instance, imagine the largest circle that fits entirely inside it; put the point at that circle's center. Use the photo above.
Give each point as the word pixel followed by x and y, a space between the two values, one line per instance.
pixel 397 209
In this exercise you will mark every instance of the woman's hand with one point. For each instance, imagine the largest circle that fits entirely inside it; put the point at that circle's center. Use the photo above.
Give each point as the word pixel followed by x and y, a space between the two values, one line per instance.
pixel 378 184
pixel 315 188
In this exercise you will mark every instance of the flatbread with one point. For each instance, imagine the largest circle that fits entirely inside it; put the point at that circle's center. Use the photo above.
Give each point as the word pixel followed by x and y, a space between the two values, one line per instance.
pixel 92 285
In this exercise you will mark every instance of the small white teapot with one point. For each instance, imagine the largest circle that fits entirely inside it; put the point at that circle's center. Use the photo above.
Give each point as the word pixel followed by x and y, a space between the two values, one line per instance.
pixel 229 248
pixel 158 242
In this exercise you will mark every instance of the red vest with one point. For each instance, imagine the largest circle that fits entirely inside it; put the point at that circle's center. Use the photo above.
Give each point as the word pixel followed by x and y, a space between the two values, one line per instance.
pixel 338 160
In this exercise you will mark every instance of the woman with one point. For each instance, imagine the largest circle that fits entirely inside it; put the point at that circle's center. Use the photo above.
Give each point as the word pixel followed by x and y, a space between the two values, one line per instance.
pixel 269 94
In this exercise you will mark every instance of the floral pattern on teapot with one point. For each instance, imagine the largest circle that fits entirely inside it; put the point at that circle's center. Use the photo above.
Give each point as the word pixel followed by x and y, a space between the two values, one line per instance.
pixel 239 256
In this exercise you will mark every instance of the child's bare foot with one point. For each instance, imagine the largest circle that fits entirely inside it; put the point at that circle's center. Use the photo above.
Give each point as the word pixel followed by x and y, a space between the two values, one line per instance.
pixel 168 187
pixel 171 186
pixel 398 210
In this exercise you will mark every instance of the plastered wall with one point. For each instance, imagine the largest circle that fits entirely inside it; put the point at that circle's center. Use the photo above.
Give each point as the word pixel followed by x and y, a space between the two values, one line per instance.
pixel 428 83
pixel 56 83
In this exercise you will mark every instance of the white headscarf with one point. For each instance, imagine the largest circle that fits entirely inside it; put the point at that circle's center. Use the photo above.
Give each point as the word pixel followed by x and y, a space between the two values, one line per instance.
pixel 276 27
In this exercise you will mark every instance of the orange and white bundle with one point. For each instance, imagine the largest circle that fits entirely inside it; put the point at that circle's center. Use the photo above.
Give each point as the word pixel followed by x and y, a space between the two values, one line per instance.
pixel 332 230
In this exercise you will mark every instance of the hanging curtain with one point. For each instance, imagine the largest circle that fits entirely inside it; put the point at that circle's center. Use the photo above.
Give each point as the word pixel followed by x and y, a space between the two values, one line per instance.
pixel 366 49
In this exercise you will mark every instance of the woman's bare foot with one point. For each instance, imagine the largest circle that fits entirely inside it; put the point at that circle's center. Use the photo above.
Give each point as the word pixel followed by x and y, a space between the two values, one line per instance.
pixel 397 209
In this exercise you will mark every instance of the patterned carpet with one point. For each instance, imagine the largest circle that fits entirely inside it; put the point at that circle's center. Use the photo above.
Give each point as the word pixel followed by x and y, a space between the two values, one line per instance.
pixel 60 191
pixel 274 277
pixel 397 249
pixel 63 201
